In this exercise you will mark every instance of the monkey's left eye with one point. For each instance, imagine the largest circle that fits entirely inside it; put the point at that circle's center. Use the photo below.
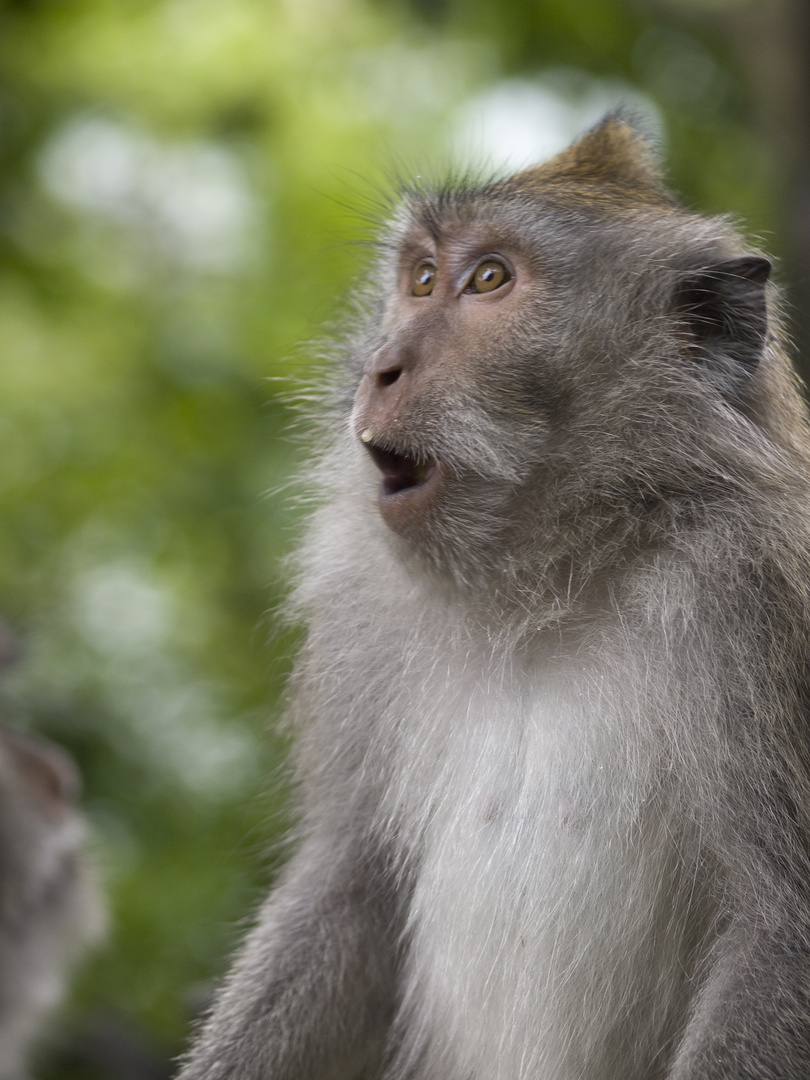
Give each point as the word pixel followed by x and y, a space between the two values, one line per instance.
pixel 424 278
pixel 490 275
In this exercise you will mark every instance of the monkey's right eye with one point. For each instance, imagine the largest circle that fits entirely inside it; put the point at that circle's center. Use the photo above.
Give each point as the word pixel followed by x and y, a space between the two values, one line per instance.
pixel 424 278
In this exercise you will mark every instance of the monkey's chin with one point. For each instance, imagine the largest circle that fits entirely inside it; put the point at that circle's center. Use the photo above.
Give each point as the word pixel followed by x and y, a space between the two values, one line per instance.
pixel 407 486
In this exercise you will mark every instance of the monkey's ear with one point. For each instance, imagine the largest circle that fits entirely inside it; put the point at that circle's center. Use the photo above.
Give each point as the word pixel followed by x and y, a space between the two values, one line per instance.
pixel 726 312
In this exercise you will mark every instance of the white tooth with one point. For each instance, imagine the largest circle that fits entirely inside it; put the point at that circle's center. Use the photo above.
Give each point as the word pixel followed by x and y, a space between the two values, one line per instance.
pixel 367 435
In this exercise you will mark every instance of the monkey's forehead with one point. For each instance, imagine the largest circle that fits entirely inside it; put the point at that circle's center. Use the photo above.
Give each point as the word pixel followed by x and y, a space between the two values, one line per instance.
pixel 611 170
pixel 532 196
pixel 552 221
pixel 505 214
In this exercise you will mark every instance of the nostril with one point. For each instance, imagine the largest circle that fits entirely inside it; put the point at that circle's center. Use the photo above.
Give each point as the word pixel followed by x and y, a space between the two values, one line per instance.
pixel 388 378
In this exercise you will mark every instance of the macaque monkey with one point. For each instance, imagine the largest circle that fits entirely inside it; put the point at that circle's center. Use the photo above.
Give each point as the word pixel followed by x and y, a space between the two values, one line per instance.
pixel 553 706
pixel 49 904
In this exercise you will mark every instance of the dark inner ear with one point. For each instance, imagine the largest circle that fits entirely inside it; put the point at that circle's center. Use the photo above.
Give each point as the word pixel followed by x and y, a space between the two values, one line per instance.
pixel 724 306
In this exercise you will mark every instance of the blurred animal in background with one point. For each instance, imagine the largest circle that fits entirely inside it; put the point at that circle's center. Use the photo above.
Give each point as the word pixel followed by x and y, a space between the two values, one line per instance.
pixel 50 903
pixel 553 706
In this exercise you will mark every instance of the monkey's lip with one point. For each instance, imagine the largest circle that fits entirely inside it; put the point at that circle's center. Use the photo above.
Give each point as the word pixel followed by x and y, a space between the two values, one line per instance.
pixel 401 473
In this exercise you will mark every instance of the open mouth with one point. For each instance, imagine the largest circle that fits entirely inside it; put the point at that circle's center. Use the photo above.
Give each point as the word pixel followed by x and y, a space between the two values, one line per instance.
pixel 400 472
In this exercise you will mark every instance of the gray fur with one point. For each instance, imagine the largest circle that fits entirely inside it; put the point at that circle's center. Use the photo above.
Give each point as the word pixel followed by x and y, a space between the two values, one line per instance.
pixel 50 907
pixel 553 746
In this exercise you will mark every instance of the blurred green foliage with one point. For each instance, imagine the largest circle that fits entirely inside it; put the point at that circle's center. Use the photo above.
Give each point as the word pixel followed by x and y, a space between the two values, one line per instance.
pixel 180 185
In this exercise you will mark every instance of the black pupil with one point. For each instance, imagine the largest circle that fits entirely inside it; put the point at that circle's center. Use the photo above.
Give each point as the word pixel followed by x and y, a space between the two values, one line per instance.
pixel 488 274
pixel 425 276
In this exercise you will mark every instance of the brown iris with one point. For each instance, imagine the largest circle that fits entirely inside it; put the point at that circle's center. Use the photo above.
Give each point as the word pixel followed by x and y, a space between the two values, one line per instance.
pixel 490 275
pixel 424 278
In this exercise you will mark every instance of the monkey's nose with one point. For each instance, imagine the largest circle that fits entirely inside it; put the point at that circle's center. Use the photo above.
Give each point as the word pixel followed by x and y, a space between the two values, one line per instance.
pixel 389 362
pixel 380 395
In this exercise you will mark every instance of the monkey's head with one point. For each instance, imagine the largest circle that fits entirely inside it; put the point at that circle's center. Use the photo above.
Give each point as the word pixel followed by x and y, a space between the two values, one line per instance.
pixel 555 348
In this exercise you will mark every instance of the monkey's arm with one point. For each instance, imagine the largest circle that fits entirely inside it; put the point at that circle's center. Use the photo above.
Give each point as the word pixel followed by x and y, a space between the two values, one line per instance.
pixel 313 987
pixel 752 1018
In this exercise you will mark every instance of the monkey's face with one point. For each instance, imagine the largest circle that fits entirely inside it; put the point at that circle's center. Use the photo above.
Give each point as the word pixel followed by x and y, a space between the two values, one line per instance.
pixel 536 374
pixel 437 408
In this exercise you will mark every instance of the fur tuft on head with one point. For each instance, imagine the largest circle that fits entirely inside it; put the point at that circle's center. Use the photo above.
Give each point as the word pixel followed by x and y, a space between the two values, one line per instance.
pixel 611 165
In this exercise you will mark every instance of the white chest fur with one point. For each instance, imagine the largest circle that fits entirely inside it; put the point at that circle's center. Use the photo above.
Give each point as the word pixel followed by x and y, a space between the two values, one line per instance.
pixel 545 874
